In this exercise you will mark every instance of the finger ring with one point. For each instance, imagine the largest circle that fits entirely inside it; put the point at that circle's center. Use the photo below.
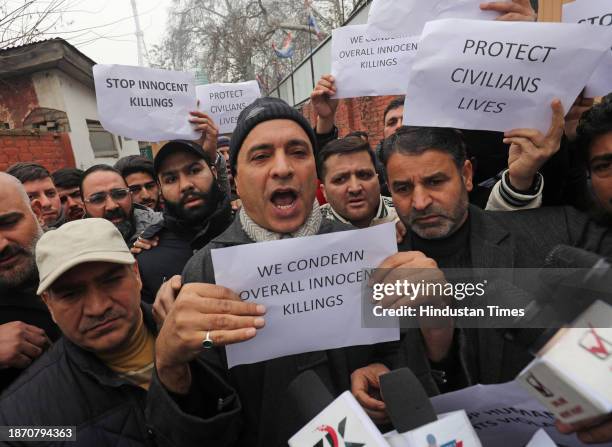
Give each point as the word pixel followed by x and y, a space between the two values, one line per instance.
pixel 207 343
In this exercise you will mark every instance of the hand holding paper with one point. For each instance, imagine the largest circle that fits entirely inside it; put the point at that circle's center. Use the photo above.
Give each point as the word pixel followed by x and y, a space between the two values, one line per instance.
pixel 529 149
pixel 205 124
pixel 323 104
pixel 202 309
pixel 514 11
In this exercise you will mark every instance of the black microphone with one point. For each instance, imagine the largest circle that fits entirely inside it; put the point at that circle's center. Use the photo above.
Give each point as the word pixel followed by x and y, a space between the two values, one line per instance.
pixel 407 403
pixel 308 395
pixel 572 280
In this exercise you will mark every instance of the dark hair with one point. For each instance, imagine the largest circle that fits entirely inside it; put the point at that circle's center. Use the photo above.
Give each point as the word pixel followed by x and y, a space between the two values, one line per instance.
pixel 595 122
pixel 395 104
pixel 358 134
pixel 28 172
pixel 410 140
pixel 347 145
pixel 97 168
pixel 67 178
pixel 133 164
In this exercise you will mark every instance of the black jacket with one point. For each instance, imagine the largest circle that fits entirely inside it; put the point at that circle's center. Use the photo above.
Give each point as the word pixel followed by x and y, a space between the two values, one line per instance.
pixel 510 240
pixel 266 418
pixel 69 386
pixel 23 305
pixel 177 244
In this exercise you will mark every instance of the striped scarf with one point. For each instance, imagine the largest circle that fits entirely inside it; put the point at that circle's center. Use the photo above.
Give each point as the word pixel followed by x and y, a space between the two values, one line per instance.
pixel 260 234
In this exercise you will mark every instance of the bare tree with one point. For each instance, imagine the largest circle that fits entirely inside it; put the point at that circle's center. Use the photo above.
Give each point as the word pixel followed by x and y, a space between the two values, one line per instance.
pixel 231 40
pixel 23 21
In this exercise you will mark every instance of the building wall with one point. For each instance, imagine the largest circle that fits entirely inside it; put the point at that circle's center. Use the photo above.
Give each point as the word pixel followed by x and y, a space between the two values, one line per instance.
pixel 353 114
pixel 50 149
pixel 17 100
pixel 79 101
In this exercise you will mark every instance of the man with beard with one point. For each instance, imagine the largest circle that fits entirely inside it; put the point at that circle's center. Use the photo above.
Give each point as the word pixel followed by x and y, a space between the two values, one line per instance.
pixel 196 210
pixel 25 323
pixel 68 182
pixel 106 195
pixel 430 178
pixel 139 175
pixel 37 182
pixel 272 159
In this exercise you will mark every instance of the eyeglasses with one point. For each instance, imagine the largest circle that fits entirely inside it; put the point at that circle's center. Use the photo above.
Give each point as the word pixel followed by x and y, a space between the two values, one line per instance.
pixel 99 198
pixel 149 186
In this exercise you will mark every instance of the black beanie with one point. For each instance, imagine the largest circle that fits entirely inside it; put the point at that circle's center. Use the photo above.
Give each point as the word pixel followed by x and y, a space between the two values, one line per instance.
pixel 265 109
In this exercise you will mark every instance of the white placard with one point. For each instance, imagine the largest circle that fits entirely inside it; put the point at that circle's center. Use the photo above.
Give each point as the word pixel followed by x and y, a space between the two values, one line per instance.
pixel 145 104
pixel 224 102
pixel 504 411
pixel 474 74
pixel 370 66
pixel 409 16
pixel 311 287
pixel 594 12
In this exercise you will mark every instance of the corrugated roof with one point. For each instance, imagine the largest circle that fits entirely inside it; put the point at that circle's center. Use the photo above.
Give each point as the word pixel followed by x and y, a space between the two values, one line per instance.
pixel 38 42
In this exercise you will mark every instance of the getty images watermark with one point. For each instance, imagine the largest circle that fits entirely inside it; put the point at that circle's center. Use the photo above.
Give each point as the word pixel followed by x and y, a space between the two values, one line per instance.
pixel 477 298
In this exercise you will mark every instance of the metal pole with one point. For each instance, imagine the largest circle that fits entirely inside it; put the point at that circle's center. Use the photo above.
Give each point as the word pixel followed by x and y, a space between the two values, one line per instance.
pixel 139 35
pixel 312 75
pixel 292 85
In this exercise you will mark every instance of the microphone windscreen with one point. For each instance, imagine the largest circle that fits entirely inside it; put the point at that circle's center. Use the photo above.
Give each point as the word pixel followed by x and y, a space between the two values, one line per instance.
pixel 308 396
pixel 406 400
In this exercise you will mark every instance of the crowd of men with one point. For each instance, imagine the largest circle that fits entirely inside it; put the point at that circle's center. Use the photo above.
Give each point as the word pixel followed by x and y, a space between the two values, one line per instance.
pixel 110 317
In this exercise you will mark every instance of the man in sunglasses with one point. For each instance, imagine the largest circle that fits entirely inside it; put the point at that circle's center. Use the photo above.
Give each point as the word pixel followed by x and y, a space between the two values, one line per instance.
pixel 106 195
pixel 139 175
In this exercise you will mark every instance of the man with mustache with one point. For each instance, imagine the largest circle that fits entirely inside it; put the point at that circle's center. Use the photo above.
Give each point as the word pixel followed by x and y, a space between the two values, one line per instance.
pixel 196 210
pixel 106 195
pixel 139 176
pixel 26 327
pixel 272 160
pixel 349 182
pixel 100 375
pixel 430 178
pixel 37 182
pixel 68 182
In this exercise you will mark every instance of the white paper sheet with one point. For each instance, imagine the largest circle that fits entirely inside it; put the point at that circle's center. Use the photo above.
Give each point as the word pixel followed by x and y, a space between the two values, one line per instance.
pixel 305 311
pixel 224 101
pixel 145 104
pixel 489 75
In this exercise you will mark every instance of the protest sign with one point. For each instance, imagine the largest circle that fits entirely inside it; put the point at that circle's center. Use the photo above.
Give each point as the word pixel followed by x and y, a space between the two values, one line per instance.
pixel 475 74
pixel 373 66
pixel 145 103
pixel 311 287
pixel 598 13
pixel 541 439
pixel 505 411
pixel 224 102
pixel 409 16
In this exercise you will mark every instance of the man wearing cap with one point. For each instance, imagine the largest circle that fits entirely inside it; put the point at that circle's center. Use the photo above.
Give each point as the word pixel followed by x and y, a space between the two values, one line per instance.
pixel 196 210
pixel 272 160
pixel 26 327
pixel 99 377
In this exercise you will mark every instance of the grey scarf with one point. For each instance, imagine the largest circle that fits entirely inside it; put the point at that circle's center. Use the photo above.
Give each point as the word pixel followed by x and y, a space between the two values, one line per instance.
pixel 260 234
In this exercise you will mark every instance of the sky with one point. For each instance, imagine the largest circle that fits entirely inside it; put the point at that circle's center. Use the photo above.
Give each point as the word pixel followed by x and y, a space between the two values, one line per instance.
pixel 104 30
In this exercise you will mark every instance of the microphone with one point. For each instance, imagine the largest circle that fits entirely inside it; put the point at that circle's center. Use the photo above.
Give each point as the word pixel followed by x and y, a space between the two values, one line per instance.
pixel 414 418
pixel 572 280
pixel 406 400
pixel 329 422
